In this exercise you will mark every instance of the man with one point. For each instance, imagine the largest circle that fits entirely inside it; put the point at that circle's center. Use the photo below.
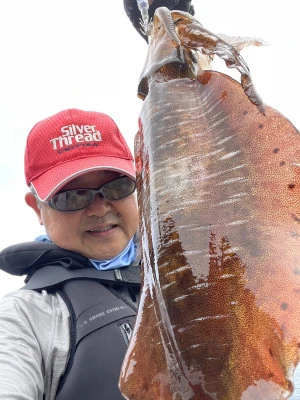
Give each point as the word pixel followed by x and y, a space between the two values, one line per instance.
pixel 65 334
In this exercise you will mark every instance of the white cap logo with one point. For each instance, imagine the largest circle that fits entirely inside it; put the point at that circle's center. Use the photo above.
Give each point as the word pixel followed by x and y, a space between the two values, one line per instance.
pixel 74 135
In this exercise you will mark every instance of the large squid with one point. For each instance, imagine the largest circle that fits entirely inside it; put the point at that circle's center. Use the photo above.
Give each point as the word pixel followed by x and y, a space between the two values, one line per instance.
pixel 219 197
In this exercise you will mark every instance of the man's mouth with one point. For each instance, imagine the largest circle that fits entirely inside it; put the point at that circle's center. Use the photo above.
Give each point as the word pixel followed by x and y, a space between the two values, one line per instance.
pixel 104 229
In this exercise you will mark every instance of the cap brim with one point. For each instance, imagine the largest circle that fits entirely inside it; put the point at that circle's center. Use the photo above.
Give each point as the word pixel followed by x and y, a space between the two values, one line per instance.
pixel 55 178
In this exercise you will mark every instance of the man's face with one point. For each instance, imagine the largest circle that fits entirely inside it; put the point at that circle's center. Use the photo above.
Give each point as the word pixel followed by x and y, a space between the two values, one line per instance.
pixel 100 231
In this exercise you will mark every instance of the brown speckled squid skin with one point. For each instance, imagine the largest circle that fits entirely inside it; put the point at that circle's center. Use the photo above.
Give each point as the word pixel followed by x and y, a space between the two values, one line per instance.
pixel 219 199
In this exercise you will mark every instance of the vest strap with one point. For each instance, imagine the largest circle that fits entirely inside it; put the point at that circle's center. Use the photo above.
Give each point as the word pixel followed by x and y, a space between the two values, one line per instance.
pixel 52 276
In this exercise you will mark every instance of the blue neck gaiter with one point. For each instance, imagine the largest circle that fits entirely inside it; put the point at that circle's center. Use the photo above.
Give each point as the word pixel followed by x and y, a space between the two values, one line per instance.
pixel 125 258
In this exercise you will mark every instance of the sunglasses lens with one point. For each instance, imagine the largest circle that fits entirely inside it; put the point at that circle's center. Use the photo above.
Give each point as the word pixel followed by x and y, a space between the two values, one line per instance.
pixel 118 188
pixel 72 200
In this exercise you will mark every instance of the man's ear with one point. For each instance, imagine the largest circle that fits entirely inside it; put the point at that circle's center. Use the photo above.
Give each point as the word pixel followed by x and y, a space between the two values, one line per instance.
pixel 32 201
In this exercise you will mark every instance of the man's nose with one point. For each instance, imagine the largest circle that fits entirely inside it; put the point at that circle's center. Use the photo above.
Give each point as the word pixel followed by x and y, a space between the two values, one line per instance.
pixel 99 207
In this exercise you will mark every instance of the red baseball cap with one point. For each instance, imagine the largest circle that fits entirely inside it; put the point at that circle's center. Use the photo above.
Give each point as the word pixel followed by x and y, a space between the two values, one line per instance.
pixel 70 143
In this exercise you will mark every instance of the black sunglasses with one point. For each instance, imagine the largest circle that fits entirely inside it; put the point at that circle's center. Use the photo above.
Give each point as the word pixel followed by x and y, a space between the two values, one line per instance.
pixel 78 199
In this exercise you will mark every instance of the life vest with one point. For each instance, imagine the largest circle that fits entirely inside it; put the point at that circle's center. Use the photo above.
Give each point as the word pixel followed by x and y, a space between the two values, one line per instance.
pixel 102 306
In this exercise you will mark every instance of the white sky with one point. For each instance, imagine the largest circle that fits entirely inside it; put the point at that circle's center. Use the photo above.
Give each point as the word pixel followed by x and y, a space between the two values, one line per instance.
pixel 85 54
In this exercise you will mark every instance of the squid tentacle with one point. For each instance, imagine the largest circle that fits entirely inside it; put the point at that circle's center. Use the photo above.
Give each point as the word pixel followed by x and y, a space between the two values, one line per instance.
pixel 186 31
pixel 194 36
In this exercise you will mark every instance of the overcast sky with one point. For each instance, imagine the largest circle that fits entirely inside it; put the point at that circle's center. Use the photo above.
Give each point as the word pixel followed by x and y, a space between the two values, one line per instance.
pixel 85 54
